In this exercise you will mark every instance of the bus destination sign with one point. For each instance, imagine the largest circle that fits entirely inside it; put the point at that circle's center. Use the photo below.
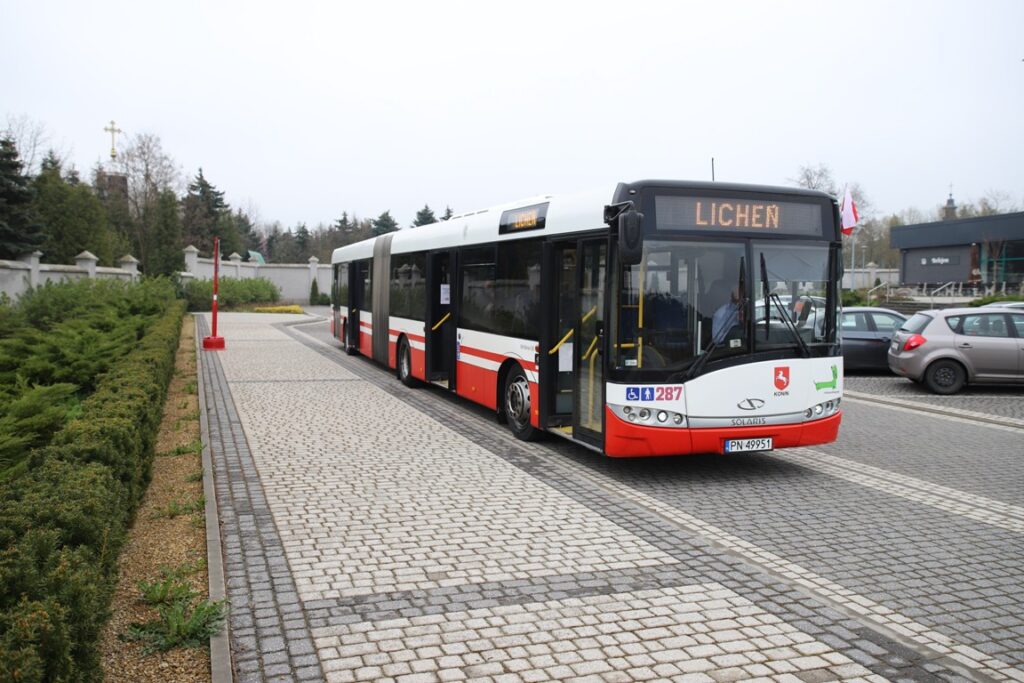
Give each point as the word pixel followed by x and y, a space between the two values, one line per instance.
pixel 726 214
pixel 525 218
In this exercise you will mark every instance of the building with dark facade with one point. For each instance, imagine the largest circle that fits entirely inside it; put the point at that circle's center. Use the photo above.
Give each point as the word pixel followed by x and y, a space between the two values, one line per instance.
pixel 987 250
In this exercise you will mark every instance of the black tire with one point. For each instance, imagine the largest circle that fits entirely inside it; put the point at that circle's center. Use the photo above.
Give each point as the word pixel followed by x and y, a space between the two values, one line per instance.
pixel 516 405
pixel 404 363
pixel 945 377
pixel 349 349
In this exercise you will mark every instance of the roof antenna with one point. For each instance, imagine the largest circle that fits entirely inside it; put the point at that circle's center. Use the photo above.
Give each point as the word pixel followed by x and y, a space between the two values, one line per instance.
pixel 712 169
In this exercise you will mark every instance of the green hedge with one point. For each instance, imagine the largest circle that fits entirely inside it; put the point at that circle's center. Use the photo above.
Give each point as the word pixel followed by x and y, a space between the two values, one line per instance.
pixel 64 520
pixel 230 293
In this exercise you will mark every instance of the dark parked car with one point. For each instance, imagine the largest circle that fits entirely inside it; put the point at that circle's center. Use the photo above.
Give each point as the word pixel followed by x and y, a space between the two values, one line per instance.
pixel 950 348
pixel 866 334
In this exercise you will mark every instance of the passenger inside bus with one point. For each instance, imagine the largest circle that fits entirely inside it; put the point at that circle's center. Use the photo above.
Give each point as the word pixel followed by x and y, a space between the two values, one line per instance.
pixel 726 314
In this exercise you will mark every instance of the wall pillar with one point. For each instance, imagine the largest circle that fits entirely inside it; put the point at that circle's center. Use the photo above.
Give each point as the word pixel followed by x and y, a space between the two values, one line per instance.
pixel 314 263
pixel 33 261
pixel 87 260
pixel 236 261
pixel 191 259
pixel 130 264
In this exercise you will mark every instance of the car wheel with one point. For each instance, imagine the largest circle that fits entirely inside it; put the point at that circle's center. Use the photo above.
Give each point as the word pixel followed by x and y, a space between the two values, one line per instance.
pixel 405 365
pixel 517 406
pixel 945 377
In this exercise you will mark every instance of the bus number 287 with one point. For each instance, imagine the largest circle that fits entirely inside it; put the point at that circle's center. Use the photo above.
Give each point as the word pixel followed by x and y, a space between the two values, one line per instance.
pixel 668 393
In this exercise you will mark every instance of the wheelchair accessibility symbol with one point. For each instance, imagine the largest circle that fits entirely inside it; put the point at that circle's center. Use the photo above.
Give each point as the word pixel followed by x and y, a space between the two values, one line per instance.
pixel 639 393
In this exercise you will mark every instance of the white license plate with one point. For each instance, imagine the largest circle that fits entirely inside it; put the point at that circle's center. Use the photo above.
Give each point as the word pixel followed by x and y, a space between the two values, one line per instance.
pixel 741 445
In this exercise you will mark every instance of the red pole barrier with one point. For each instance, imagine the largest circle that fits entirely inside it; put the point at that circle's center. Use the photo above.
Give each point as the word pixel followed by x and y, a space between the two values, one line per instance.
pixel 213 342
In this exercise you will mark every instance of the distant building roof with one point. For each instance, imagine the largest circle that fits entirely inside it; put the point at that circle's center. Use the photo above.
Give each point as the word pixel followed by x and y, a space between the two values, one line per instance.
pixel 255 256
pixel 1007 226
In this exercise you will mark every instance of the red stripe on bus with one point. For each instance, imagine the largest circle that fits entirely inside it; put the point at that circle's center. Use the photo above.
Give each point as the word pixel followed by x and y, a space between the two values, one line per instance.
pixel 365 324
pixel 410 335
pixel 496 357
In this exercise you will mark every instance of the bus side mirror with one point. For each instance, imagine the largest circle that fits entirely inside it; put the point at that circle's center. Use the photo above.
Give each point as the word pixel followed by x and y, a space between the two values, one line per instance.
pixel 630 237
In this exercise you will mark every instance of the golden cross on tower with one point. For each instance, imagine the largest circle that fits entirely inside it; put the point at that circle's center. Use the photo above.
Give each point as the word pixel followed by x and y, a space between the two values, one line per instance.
pixel 113 130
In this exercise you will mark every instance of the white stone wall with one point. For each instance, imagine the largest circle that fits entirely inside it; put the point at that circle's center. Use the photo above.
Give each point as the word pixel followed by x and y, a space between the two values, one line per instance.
pixel 16 277
pixel 293 279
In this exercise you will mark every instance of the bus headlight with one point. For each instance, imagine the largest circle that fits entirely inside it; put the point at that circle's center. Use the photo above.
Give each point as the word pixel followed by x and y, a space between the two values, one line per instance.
pixel 825 409
pixel 645 416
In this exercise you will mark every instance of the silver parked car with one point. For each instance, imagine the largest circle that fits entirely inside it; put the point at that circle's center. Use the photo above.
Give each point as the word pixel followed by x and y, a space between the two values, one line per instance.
pixel 950 348
pixel 1018 305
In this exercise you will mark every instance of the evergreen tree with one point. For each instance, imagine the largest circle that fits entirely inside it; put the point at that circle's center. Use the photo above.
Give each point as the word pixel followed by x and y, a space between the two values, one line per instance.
pixel 384 224
pixel 204 207
pixel 165 256
pixel 302 243
pixel 424 217
pixel 227 230
pixel 246 230
pixel 448 213
pixel 74 220
pixel 20 229
pixel 343 224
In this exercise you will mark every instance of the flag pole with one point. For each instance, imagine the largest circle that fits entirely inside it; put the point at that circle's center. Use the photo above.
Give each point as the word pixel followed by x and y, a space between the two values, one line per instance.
pixel 213 342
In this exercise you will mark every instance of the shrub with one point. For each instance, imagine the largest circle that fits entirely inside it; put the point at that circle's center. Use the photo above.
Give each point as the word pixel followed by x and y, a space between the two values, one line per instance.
pixel 63 521
pixel 293 308
pixel 853 297
pixel 230 293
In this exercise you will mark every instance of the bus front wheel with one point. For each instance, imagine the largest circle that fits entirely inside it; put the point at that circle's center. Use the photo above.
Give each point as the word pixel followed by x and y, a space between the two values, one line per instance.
pixel 517 405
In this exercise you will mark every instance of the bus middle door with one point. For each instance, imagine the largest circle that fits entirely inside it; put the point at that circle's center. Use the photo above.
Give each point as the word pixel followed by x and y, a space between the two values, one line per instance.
pixel 440 324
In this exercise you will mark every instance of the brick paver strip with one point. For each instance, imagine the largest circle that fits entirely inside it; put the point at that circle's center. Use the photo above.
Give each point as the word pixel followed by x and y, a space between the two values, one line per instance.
pixel 268 629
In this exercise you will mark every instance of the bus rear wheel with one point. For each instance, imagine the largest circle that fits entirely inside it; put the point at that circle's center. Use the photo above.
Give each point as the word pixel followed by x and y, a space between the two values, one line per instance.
pixel 517 405
pixel 405 365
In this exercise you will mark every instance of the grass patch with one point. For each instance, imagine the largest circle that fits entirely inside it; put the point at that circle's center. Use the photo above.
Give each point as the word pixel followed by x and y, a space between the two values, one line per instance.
pixel 179 624
pixel 177 508
pixel 195 476
pixel 191 448
pixel 171 587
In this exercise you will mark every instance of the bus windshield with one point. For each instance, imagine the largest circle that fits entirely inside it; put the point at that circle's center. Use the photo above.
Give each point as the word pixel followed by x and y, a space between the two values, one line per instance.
pixel 687 299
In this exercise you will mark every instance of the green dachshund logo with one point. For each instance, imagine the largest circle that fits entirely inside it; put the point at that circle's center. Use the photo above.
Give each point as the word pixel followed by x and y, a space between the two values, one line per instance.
pixel 829 384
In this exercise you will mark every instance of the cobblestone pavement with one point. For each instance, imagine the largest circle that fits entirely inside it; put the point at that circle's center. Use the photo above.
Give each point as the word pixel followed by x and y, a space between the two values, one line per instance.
pixel 374 531
pixel 998 401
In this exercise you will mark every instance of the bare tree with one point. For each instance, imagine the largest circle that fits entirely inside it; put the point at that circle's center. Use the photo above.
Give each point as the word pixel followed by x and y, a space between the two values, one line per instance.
pixel 820 178
pixel 32 139
pixel 149 172
pixel 816 178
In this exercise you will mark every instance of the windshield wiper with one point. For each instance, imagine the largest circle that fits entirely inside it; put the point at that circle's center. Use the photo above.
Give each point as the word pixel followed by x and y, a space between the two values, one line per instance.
pixel 790 325
pixel 764 288
pixel 702 360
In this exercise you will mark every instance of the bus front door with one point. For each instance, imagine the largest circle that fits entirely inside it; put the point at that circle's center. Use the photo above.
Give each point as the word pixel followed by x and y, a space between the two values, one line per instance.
pixel 588 358
pixel 440 323
pixel 575 397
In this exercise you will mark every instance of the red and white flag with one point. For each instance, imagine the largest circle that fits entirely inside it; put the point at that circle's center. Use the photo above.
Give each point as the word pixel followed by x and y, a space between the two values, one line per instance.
pixel 848 209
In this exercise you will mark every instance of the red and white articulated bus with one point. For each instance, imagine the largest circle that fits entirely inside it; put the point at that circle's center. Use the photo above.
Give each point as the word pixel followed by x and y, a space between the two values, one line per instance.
pixel 652 318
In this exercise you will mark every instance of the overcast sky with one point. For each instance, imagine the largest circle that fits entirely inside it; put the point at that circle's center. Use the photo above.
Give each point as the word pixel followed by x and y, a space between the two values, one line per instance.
pixel 305 109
